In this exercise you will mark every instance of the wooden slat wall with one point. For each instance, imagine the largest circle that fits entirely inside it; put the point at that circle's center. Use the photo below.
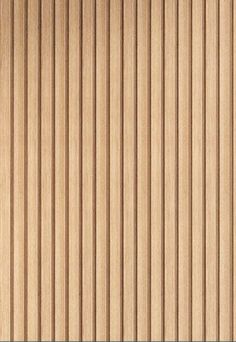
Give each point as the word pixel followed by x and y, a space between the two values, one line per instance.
pixel 117 175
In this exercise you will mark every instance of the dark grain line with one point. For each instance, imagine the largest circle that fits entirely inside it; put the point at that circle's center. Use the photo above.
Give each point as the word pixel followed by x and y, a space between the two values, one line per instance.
pixel 204 170
pixel 136 174
pixel 149 181
pixel 67 151
pixel 108 167
pixel 25 169
pixel 122 170
pixel 218 172
pixel 81 172
pixel 53 161
pixel 232 169
pixel 95 172
pixel 12 176
pixel 163 170
pixel 177 173
pixel 190 167
pixel 39 167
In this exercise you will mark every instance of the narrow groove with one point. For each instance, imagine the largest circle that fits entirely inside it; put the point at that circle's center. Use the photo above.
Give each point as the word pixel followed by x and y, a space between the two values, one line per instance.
pixel 12 176
pixel 39 166
pixel 26 170
pixel 204 171
pixel 81 175
pixel 67 147
pixel 108 168
pixel 232 170
pixel 136 175
pixel 163 171
pixel 149 64
pixel 95 175
pixel 122 172
pixel 177 173
pixel 218 173
pixel 190 167
pixel 53 170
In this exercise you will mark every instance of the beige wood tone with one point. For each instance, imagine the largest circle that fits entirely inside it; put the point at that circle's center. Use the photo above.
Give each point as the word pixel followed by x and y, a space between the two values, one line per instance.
pixel 212 170
pixel 130 170
pixel 88 172
pixel 184 170
pixel 143 171
pixel 20 196
pixel 225 164
pixel 33 172
pixel 198 174
pixel 61 170
pixel 6 137
pixel 75 167
pixel 102 151
pixel 157 163
pixel 47 172
pixel 117 170
pixel 170 113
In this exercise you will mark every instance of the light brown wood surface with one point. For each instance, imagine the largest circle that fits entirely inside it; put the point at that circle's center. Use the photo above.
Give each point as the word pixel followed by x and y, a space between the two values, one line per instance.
pixel 117 170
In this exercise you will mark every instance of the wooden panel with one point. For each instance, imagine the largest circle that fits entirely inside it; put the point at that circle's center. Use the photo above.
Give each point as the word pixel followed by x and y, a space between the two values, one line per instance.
pixel 103 168
pixel 130 170
pixel 212 170
pixel 88 130
pixel 198 172
pixel 75 166
pixel 184 170
pixel 117 175
pixel 47 171
pixel 157 170
pixel 6 169
pixel 61 170
pixel 170 171
pixel 116 170
pixel 34 168
pixel 225 165
pixel 20 319
pixel 143 171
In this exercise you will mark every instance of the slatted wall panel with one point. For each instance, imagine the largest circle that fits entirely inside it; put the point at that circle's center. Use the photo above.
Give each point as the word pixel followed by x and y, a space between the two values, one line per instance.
pixel 117 176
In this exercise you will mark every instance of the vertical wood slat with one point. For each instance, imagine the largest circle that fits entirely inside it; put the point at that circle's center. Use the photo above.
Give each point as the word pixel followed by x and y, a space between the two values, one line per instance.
pixel 33 173
pixel 102 170
pixel 47 171
pixel 117 170
pixel 212 170
pixel 184 170
pixel 143 171
pixel 171 172
pixel 20 172
pixel 130 170
pixel 225 93
pixel 198 170
pixel 157 168
pixel 6 97
pixel 75 165
pixel 61 170
pixel 88 170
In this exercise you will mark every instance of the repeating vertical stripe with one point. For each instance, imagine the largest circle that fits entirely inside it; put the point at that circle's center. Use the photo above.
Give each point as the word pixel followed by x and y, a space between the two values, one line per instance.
pixel 117 170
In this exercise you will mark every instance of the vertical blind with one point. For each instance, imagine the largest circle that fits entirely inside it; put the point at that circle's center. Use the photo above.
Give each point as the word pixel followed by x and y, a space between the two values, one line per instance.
pixel 117 175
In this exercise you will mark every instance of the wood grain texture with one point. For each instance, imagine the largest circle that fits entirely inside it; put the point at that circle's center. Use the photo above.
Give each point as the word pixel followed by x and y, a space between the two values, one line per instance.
pixel 198 131
pixel 212 170
pixel 117 170
pixel 6 149
pixel 47 171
